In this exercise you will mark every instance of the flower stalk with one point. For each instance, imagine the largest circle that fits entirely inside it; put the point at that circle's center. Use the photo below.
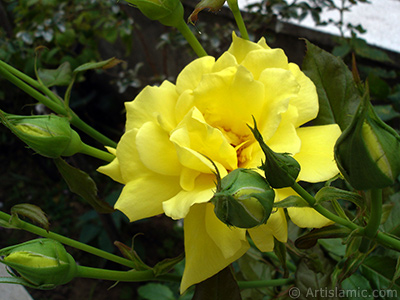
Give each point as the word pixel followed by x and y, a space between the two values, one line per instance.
pixel 64 240
pixel 50 100
pixel 234 7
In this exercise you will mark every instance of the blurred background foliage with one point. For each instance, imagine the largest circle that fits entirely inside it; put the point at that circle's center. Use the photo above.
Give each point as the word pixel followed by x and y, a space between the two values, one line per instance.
pixel 80 31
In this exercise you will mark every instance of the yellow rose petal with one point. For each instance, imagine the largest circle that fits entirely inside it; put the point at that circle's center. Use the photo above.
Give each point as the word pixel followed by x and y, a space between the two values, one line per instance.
pixel 191 75
pixel 205 258
pixel 178 206
pixel 259 60
pixel 152 104
pixel 228 100
pixel 316 154
pixel 157 153
pixel 307 217
pixel 143 197
pixel 263 236
pixel 306 100
pixel 241 47
pixel 112 170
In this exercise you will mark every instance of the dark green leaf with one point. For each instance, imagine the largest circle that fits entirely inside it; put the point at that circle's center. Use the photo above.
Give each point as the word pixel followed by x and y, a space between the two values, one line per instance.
pixel 59 77
pixel 310 239
pixel 221 286
pixel 313 275
pixel 362 49
pixel 33 212
pixel 380 271
pixel 338 97
pixel 105 64
pixel 386 112
pixel 83 185
pixel 155 291
pixel 354 283
pixel 392 224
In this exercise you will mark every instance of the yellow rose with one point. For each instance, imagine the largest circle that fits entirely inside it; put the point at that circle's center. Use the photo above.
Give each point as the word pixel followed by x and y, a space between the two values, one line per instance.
pixel 171 128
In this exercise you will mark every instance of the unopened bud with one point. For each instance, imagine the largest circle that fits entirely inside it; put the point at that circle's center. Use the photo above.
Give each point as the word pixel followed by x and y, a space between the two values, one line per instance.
pixel 243 199
pixel 368 151
pixel 41 263
pixel 281 169
pixel 48 135
pixel 212 5
pixel 167 12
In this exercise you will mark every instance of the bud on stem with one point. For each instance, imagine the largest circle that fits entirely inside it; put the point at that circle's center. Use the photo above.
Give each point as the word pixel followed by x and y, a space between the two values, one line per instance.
pixel 48 135
pixel 367 152
pixel 41 263
pixel 243 199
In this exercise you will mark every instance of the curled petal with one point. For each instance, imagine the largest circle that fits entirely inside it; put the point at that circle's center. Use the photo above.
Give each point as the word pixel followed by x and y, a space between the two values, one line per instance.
pixel 263 236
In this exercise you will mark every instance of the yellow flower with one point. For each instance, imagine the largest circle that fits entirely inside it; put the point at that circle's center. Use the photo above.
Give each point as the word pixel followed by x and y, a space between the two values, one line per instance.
pixel 171 128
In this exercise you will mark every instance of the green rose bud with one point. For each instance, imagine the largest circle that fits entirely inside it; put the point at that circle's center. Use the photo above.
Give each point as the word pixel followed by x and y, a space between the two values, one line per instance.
pixel 281 169
pixel 243 199
pixel 41 263
pixel 368 151
pixel 48 135
pixel 167 12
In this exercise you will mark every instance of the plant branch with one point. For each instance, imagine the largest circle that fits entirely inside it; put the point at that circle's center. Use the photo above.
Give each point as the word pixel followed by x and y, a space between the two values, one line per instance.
pixel 64 240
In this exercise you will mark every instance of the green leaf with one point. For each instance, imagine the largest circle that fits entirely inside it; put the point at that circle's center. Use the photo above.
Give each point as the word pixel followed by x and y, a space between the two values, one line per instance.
pixel 166 265
pixel 221 286
pixel 155 291
pixel 338 96
pixel 292 201
pixel 105 64
pixel 354 283
pixel 33 212
pixel 59 77
pixel 310 239
pixel 380 271
pixel 313 275
pixel 392 224
pixel 386 112
pixel 362 49
pixel 329 193
pixel 83 185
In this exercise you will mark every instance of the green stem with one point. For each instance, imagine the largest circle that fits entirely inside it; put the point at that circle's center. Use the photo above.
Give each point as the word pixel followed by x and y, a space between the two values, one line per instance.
pixel 192 40
pixel 233 5
pixel 126 276
pixel 66 241
pixel 380 237
pixel 56 107
pixel 30 81
pixel 374 220
pixel 264 283
pixel 31 87
pixel 78 123
pixel 391 242
pixel 100 154
pixel 322 210
pixel 375 214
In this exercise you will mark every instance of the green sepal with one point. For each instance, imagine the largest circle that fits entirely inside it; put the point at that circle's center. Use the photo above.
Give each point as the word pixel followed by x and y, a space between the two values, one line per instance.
pixel 243 199
pixel 281 169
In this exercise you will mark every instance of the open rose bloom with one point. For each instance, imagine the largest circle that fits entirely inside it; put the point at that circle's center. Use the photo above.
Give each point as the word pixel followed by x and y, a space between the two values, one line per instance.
pixel 171 128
